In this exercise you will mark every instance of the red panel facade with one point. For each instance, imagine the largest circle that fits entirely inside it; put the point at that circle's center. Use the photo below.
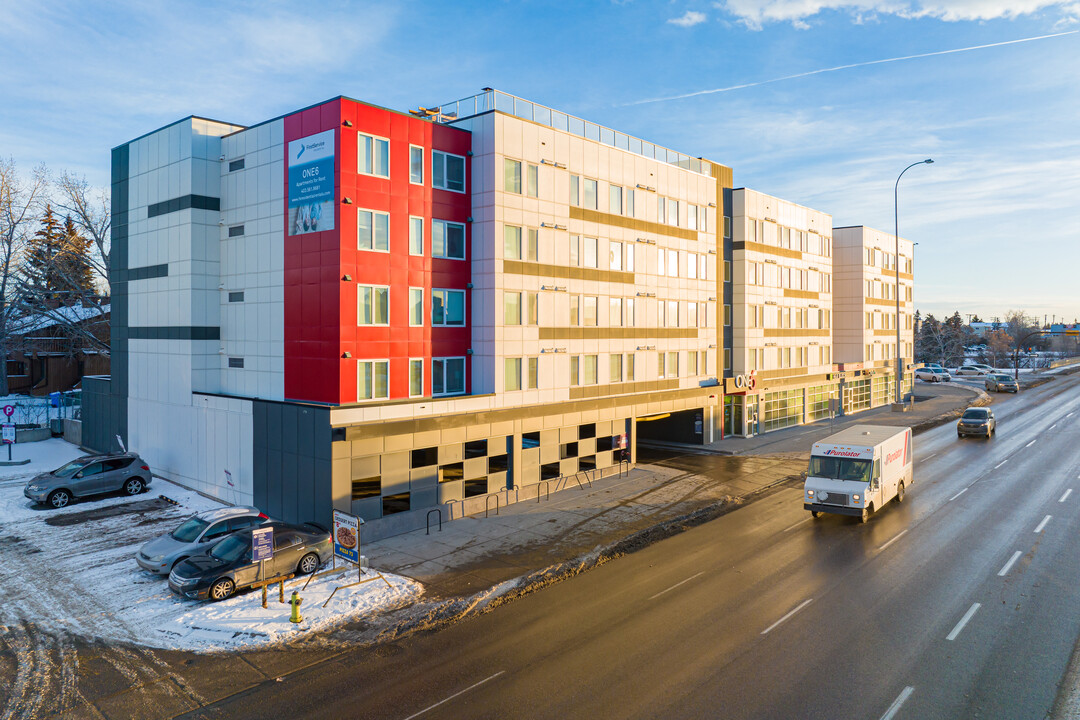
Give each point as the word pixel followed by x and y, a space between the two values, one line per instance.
pixel 321 307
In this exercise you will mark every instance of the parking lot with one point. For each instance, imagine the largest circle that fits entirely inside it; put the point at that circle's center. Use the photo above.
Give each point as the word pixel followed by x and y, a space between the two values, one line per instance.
pixel 72 571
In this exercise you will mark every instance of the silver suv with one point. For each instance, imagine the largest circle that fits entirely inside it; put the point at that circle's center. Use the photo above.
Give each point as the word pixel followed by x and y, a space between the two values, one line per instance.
pixel 90 475
pixel 196 535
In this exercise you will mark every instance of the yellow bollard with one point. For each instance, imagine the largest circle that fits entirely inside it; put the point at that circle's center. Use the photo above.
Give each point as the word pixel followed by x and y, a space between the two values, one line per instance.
pixel 295 601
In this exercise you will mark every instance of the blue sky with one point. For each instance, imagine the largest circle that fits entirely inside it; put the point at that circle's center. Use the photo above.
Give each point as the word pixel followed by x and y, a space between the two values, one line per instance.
pixel 997 217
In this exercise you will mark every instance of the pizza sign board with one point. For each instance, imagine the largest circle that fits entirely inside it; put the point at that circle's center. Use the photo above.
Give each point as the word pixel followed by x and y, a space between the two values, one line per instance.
pixel 346 536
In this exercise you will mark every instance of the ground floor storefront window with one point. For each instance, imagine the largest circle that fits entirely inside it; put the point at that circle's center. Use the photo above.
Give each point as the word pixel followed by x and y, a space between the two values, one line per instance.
pixel 782 409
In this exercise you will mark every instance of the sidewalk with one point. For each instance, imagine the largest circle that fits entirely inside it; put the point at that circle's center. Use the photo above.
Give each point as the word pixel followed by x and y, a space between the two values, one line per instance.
pixel 581 526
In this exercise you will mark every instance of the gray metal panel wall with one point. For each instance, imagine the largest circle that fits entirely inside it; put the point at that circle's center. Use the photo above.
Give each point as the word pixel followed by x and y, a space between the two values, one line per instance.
pixel 291 461
pixel 104 415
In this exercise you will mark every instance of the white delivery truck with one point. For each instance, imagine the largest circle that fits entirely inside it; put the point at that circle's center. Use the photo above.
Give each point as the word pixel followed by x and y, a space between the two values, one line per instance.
pixel 858 470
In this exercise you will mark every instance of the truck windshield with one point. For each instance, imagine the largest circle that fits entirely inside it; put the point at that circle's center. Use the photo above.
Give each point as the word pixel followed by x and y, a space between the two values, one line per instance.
pixel 839 468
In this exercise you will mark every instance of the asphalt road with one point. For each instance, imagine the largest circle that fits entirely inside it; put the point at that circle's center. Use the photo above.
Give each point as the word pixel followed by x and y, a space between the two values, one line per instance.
pixel 964 601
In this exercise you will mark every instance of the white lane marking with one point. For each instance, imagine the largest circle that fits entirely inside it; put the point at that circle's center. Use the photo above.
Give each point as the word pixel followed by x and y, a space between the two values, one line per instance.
pixel 900 535
pixel 1065 497
pixel 963 621
pixel 1052 426
pixel 1040 526
pixel 1030 444
pixel 929 456
pixel 957 495
pixel 898 703
pixel 1069 415
pixel 461 692
pixel 677 585
pixel 792 527
pixel 1000 464
pixel 1003 571
pixel 786 617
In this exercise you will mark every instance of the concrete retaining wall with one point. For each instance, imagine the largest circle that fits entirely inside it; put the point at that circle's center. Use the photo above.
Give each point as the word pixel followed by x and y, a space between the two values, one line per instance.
pixel 73 432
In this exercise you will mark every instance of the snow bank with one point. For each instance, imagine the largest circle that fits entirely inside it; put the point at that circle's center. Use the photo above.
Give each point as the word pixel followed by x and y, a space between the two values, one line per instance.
pixel 73 570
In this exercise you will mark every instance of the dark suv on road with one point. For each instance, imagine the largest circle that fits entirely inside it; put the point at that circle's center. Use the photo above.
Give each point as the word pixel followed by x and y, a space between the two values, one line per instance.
pixel 90 475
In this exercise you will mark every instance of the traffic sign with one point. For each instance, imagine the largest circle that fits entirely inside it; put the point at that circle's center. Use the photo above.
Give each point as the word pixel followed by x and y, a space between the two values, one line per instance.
pixel 262 544
pixel 9 410
pixel 8 433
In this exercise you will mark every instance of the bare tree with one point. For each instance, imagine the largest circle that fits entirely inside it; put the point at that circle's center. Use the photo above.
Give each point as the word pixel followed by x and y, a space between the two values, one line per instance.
pixel 998 347
pixel 19 200
pixel 90 211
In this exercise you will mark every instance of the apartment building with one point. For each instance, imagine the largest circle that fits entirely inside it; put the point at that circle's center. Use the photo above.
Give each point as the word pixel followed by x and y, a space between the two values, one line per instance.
pixel 388 313
pixel 869 276
pixel 781 315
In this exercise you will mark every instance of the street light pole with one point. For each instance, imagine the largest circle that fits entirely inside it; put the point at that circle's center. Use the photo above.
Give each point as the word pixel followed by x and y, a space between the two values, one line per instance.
pixel 896 265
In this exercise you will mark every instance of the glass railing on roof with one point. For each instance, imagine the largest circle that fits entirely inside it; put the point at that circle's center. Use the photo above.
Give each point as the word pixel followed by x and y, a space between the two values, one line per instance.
pixel 534 112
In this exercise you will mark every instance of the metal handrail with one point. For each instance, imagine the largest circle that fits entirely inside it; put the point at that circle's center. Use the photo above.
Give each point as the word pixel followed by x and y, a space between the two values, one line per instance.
pixel 428 519
pixel 487 505
pixel 547 489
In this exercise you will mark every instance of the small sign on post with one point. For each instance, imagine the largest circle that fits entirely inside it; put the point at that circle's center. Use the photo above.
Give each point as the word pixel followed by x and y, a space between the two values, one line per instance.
pixel 347 537
pixel 262 549
pixel 8 437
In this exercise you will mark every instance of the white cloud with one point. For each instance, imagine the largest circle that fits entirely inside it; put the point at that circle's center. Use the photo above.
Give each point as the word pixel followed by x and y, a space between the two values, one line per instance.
pixel 688 19
pixel 756 13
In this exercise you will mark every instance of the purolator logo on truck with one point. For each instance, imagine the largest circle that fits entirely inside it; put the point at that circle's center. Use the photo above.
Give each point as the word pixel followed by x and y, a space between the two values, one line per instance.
pixel 893 456
pixel 843 453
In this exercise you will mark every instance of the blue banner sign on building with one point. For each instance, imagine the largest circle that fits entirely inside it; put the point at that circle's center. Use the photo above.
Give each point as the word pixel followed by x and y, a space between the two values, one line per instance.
pixel 311 184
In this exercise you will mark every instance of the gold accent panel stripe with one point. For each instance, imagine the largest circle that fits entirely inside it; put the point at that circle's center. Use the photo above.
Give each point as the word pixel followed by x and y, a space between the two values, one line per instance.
pixel 582 392
pixel 518 267
pixel 805 294
pixel 644 226
pixel 616 333
pixel 767 249
pixel 889 303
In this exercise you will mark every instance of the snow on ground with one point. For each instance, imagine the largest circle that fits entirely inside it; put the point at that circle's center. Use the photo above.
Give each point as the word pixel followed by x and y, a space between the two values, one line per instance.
pixel 73 570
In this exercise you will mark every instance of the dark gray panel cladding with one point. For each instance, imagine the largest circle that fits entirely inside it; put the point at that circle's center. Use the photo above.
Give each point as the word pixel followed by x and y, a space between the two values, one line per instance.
pixel 148 272
pixel 291 461
pixel 104 415
pixel 198 202
pixel 179 332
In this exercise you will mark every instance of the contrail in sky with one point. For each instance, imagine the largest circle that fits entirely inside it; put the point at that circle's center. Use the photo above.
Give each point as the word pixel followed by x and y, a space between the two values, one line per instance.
pixel 846 67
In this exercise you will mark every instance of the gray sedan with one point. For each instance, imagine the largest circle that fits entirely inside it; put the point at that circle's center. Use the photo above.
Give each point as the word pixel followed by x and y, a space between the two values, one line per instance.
pixel 195 536
pixel 90 475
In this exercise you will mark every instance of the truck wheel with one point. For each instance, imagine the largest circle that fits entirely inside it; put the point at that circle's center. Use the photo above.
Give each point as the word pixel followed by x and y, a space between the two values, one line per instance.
pixel 865 515
pixel 900 492
pixel 813 513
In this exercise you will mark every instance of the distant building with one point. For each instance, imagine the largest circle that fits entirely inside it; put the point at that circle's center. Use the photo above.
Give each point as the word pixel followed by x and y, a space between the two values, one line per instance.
pixel 47 355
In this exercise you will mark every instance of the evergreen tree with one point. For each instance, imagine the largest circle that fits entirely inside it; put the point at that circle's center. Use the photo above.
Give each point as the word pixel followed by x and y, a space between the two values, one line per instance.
pixel 76 274
pixel 40 270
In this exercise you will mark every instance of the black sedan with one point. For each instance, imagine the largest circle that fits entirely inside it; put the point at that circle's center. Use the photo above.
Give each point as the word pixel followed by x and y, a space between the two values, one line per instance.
pixel 228 565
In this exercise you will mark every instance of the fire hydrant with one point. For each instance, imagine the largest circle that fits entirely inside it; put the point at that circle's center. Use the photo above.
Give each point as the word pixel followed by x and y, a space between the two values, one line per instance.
pixel 295 602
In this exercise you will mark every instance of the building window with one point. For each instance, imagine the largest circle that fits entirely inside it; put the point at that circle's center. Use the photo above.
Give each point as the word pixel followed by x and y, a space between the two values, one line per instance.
pixel 416 165
pixel 691 216
pixel 373 156
pixel 532 180
pixel 672 212
pixel 727 315
pixel 447 376
pixel 448 307
pixel 691 314
pixel 392 504
pixel 615 366
pixel 691 266
pixel 532 247
pixel 629 367
pixel 236 231
pixel 673 364
pixel 615 200
pixel 588 369
pixel 727 271
pixel 511 176
pixel 235 165
pixel 691 364
pixel 628 313
pixel 673 263
pixel 531 309
pixel 373 305
pixel 416 307
pixel 373 230
pixel 511 242
pixel 575 370
pixel 615 312
pixel 416 377
pixel 575 304
pixel 236 296
pixel 588 310
pixel 534 373
pixel 727 226
pixel 235 362
pixel 366 487
pixel 511 308
pixel 373 380
pixel 447 240
pixel 447 171
pixel 630 202
pixel 416 235
pixel 589 252
pixel 660 365
pixel 575 248
pixel 575 190
pixel 590 194
pixel 629 258
pixel 511 374
pixel 615 256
